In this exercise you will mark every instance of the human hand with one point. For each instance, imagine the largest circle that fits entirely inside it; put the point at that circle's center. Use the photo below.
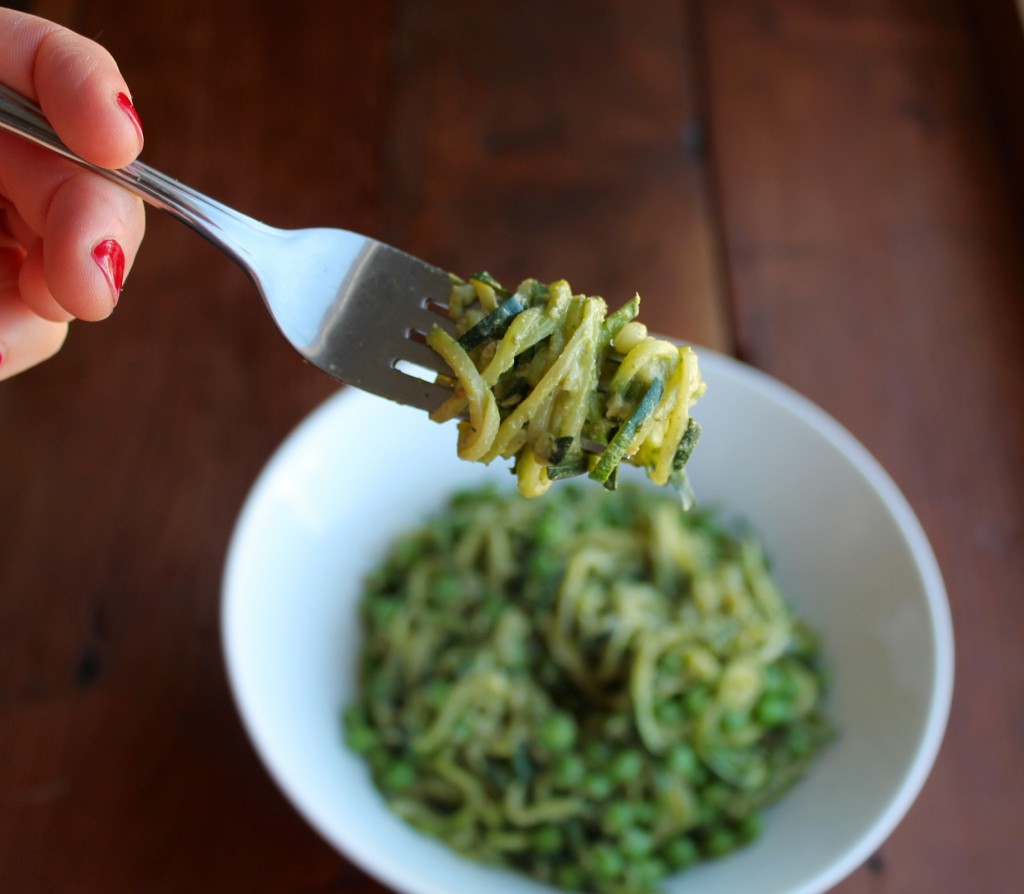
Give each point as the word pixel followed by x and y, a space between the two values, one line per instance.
pixel 68 237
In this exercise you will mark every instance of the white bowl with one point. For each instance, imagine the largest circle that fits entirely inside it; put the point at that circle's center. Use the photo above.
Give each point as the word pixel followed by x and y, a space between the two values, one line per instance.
pixel 845 545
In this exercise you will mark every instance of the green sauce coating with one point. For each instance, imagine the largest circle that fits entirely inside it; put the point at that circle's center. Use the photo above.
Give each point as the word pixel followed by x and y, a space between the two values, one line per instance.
pixel 595 689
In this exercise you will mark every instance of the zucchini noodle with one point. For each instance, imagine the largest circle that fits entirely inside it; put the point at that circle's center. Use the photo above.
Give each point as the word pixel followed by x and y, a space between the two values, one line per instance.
pixel 552 381
pixel 597 690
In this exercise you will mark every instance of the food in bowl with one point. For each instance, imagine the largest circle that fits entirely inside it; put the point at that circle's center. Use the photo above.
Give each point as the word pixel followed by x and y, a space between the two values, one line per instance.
pixel 553 381
pixel 595 689
pixel 844 544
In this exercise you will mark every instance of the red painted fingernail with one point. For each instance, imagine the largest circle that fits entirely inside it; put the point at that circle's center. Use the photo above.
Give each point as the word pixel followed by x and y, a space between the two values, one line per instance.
pixel 109 255
pixel 125 103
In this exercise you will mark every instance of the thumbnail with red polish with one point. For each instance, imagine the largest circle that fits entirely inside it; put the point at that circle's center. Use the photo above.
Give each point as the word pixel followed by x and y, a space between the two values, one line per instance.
pixel 109 256
pixel 126 104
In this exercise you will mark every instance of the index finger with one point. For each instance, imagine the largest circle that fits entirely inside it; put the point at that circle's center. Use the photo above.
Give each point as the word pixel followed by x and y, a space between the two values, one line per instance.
pixel 78 85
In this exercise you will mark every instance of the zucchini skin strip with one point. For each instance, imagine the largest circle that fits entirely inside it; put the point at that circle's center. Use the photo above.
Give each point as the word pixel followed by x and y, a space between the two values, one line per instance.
pixel 686 445
pixel 619 446
pixel 493 326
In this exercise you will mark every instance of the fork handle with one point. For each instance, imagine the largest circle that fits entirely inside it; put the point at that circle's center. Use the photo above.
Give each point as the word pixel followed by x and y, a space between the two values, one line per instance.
pixel 208 217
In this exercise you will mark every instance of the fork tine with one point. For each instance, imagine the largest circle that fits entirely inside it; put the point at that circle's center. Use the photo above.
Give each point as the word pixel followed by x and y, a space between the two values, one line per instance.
pixel 423 355
pixel 396 385
pixel 423 319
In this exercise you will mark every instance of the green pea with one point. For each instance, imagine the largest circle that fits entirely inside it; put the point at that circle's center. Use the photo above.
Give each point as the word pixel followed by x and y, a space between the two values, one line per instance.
pixel 681 852
pixel 750 827
pixel 716 794
pixel 543 565
pixel 672 663
pixel 777 681
pixel 361 739
pixel 354 715
pixel 398 776
pixel 406 551
pixel 570 877
pixel 646 873
pixel 436 692
pixel 732 721
pixel 381 610
pixel 798 741
pixel 598 786
pixel 607 863
pixel 719 841
pixel 491 607
pixel 617 816
pixel 549 530
pixel 570 770
pixel 548 840
pixel 772 710
pixel 558 732
pixel 682 759
pixel 627 766
pixel 712 800
pixel 645 812
pixel 696 700
pixel 447 587
pixel 669 713
pixel 635 842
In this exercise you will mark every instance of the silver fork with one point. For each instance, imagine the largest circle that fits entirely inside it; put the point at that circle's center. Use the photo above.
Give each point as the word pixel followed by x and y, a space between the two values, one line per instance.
pixel 350 305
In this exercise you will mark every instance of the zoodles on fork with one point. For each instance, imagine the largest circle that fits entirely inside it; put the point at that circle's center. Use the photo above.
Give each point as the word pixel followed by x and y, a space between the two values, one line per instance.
pixel 543 374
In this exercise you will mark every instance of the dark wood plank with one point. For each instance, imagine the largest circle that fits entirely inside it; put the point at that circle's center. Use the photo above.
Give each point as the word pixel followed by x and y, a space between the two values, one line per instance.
pixel 559 141
pixel 876 264
pixel 548 142
pixel 1000 28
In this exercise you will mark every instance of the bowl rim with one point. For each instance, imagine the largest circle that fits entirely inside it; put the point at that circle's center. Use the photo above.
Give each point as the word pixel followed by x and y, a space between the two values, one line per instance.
pixel 840 438
pixel 933 586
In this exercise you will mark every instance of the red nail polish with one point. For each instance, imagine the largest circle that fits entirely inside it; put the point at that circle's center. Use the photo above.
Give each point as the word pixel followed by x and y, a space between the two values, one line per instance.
pixel 109 255
pixel 125 103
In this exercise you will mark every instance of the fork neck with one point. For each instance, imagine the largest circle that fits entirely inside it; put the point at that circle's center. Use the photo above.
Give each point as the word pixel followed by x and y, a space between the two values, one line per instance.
pixel 227 228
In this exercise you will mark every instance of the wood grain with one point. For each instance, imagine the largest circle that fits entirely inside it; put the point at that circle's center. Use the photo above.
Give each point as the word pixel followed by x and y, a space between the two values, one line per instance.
pixel 999 29
pixel 822 188
pixel 566 141
pixel 876 265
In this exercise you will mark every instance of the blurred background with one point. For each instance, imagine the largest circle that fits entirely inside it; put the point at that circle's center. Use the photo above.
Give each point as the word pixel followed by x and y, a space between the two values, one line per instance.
pixel 831 191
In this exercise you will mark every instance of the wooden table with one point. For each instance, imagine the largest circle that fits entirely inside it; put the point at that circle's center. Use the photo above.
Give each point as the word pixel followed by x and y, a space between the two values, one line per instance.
pixel 829 190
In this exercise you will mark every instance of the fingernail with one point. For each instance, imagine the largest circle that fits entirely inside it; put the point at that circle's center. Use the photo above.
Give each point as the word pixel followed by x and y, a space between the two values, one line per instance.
pixel 126 104
pixel 109 255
